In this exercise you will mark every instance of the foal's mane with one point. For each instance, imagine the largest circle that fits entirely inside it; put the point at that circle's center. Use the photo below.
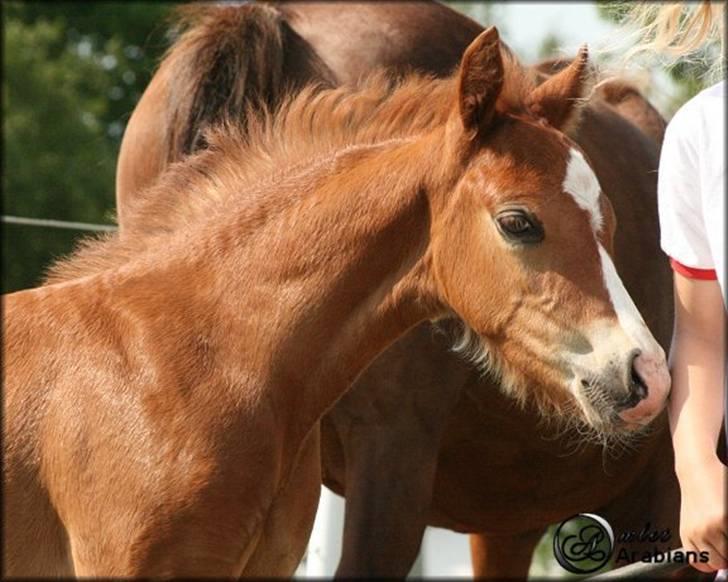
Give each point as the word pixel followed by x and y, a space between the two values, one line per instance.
pixel 309 126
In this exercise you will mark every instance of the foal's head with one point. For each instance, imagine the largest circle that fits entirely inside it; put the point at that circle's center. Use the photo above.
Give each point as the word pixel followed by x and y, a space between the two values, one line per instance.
pixel 522 251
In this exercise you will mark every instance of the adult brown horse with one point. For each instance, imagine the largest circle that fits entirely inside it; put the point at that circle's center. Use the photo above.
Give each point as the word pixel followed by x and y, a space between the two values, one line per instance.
pixel 381 440
pixel 162 408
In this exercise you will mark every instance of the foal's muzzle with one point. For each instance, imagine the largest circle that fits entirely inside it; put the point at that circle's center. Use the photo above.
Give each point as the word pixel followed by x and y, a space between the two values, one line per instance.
pixel 632 387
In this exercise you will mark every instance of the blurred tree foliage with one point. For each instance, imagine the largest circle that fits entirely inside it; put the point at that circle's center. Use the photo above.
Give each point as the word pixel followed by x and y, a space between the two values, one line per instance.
pixel 550 46
pixel 73 73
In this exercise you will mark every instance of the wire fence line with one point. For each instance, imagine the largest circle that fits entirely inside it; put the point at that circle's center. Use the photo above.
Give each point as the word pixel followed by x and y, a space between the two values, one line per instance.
pixel 48 223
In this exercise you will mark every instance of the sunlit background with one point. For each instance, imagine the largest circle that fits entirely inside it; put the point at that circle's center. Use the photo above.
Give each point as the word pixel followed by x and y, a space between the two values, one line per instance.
pixel 73 72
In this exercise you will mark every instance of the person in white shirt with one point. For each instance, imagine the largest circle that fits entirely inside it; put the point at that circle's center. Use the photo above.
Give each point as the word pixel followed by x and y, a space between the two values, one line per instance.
pixel 691 202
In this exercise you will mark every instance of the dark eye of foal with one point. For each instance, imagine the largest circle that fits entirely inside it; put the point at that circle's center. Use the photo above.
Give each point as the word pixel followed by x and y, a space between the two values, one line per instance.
pixel 519 226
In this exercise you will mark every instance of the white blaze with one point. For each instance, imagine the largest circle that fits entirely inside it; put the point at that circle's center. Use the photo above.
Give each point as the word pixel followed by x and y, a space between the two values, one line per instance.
pixel 627 313
pixel 582 184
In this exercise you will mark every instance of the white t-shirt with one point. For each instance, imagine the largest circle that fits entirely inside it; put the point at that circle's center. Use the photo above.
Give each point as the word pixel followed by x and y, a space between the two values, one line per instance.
pixel 691 188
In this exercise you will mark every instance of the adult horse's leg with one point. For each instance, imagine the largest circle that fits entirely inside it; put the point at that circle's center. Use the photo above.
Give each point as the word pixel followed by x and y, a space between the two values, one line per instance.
pixel 386 508
pixel 650 504
pixel 503 556
pixel 380 446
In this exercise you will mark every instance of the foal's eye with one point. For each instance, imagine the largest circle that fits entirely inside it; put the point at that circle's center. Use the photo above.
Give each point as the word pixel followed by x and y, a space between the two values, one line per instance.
pixel 519 226
pixel 514 224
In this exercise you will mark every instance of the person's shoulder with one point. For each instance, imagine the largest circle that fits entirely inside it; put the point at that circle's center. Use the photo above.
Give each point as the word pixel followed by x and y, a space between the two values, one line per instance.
pixel 716 91
pixel 690 116
pixel 705 98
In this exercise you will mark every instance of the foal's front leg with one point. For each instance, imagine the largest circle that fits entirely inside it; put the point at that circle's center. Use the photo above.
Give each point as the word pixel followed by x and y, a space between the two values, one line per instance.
pixel 212 538
pixel 197 509
pixel 288 526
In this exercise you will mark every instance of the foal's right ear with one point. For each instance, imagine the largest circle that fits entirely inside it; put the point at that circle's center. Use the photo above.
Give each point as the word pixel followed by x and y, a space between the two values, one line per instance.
pixel 481 81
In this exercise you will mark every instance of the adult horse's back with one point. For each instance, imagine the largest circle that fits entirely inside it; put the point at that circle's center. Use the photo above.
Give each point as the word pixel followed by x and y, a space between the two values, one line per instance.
pixel 234 57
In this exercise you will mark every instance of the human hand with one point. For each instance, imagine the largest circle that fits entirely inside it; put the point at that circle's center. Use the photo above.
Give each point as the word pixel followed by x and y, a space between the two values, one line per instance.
pixel 703 521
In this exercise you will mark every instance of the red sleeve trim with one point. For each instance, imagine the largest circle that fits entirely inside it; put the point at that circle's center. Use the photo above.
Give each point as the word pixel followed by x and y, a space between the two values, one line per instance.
pixel 692 272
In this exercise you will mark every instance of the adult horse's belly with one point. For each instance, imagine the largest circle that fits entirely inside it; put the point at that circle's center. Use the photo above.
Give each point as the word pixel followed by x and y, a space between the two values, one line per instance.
pixel 499 469
pixel 500 472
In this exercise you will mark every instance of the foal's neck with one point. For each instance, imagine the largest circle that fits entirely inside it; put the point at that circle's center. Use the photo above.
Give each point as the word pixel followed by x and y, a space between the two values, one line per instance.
pixel 322 286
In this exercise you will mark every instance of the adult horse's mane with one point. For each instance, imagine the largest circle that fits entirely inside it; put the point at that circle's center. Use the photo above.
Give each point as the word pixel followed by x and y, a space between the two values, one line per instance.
pixel 308 127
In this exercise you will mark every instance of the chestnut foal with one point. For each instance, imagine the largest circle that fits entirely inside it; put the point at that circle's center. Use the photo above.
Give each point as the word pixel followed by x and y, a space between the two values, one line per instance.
pixel 162 413
pixel 422 437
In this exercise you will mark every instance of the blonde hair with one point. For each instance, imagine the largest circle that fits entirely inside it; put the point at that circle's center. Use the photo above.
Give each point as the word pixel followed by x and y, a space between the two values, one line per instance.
pixel 679 31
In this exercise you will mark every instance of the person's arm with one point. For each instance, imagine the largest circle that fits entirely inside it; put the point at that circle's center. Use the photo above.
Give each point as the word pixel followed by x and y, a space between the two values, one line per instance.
pixel 698 363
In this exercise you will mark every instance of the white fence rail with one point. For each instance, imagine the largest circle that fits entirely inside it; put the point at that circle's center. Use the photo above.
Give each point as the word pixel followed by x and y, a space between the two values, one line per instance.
pixel 49 223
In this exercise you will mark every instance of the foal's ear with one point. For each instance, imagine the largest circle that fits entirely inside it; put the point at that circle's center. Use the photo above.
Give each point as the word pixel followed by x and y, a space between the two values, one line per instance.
pixel 481 81
pixel 557 99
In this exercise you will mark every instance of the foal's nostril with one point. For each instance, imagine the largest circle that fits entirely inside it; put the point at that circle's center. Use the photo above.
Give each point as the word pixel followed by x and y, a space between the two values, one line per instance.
pixel 637 387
